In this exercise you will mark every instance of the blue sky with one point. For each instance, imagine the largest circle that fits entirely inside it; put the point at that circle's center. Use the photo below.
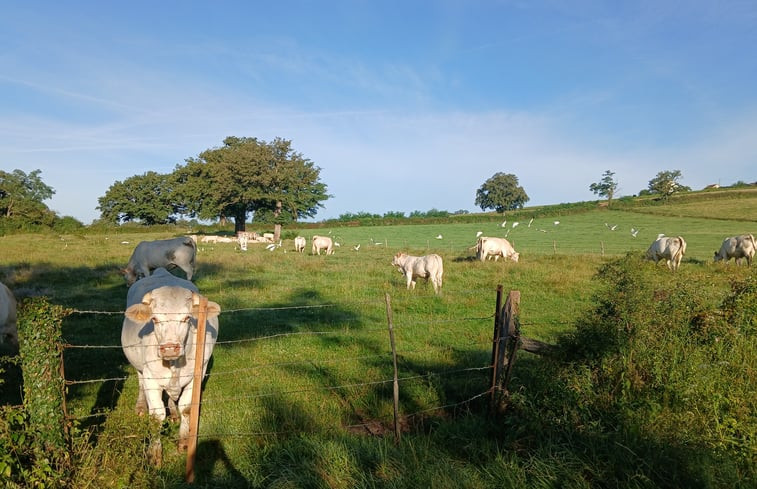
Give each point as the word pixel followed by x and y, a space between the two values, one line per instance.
pixel 404 105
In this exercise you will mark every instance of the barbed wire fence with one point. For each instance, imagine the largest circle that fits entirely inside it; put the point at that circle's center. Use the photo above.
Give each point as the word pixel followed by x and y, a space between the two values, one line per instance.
pixel 369 426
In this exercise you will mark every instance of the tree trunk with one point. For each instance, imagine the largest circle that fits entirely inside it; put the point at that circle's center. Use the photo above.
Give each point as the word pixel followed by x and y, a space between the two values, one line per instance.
pixel 277 226
pixel 239 221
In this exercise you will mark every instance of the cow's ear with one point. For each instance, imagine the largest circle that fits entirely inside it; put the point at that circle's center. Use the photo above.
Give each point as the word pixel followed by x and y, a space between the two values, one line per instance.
pixel 139 313
pixel 213 309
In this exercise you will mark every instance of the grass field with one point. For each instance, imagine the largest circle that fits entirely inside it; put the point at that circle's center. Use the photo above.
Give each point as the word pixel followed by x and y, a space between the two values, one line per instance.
pixel 298 392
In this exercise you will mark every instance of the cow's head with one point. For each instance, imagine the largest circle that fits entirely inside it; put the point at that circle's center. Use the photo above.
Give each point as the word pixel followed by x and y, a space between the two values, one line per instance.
pixel 130 275
pixel 398 259
pixel 514 256
pixel 173 311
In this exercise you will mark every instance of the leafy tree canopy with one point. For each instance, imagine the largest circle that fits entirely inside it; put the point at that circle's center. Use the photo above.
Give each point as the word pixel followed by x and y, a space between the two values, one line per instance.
pixel 247 175
pixel 501 192
pixel 146 198
pixel 22 194
pixel 666 184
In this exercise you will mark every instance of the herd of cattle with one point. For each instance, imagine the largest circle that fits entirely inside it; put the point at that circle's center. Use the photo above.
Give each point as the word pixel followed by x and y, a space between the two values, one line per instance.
pixel 162 310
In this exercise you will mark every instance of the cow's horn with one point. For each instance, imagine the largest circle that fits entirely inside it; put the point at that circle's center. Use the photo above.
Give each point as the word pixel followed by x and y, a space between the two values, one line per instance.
pixel 147 298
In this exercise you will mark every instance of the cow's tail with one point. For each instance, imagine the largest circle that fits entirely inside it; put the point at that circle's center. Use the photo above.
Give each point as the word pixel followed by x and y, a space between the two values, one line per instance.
pixel 682 249
pixel 676 259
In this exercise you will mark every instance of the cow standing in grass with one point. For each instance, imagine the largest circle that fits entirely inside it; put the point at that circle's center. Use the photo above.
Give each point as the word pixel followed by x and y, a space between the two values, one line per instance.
pixel 149 255
pixel 737 247
pixel 496 247
pixel 670 249
pixel 428 267
pixel 322 243
pixel 159 337
pixel 299 244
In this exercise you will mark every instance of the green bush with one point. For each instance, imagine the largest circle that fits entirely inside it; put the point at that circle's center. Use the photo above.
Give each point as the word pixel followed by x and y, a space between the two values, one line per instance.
pixel 663 366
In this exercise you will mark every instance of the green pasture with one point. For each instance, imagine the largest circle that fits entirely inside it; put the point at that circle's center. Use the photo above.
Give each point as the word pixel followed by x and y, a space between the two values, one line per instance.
pixel 298 393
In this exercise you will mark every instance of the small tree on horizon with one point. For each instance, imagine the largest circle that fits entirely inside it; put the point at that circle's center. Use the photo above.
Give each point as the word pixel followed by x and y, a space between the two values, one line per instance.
pixel 605 187
pixel 502 193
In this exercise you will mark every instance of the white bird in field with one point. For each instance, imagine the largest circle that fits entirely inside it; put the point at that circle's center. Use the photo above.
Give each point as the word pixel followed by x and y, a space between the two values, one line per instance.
pixel 504 223
pixel 515 223
pixel 479 233
pixel 634 232
pixel 271 247
pixel 439 237
pixel 529 222
pixel 613 228
pixel 337 244
pixel 356 247
pixel 557 222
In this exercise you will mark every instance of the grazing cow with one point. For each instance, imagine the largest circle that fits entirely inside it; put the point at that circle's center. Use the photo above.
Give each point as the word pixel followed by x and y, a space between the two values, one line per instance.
pixel 670 249
pixel 322 243
pixel 496 247
pixel 737 247
pixel 149 255
pixel 8 329
pixel 428 267
pixel 299 244
pixel 158 339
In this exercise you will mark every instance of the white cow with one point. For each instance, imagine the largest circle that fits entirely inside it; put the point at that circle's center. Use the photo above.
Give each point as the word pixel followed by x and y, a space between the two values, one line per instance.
pixel 299 244
pixel 322 243
pixel 496 247
pixel 737 247
pixel 428 267
pixel 158 338
pixel 8 328
pixel 670 249
pixel 149 255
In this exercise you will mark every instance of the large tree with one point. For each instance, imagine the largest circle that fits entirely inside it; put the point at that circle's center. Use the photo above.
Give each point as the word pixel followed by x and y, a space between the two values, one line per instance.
pixel 501 192
pixel 605 187
pixel 247 175
pixel 666 184
pixel 147 198
pixel 22 196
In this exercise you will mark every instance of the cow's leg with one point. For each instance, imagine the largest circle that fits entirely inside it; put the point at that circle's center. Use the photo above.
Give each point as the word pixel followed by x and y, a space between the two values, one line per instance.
pixel 141 406
pixel 185 405
pixel 154 394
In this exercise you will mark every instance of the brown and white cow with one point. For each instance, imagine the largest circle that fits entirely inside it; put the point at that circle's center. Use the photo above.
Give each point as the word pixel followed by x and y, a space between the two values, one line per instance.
pixel 158 338
pixel 299 244
pixel 428 267
pixel 8 327
pixel 149 255
pixel 496 247
pixel 322 243
pixel 670 249
pixel 737 247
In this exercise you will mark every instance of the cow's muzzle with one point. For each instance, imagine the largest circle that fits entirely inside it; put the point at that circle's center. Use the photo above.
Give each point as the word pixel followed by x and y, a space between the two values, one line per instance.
pixel 170 351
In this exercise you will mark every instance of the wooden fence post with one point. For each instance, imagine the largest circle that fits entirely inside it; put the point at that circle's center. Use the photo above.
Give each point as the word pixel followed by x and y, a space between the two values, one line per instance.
pixel 495 349
pixel 194 408
pixel 506 345
pixel 396 373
